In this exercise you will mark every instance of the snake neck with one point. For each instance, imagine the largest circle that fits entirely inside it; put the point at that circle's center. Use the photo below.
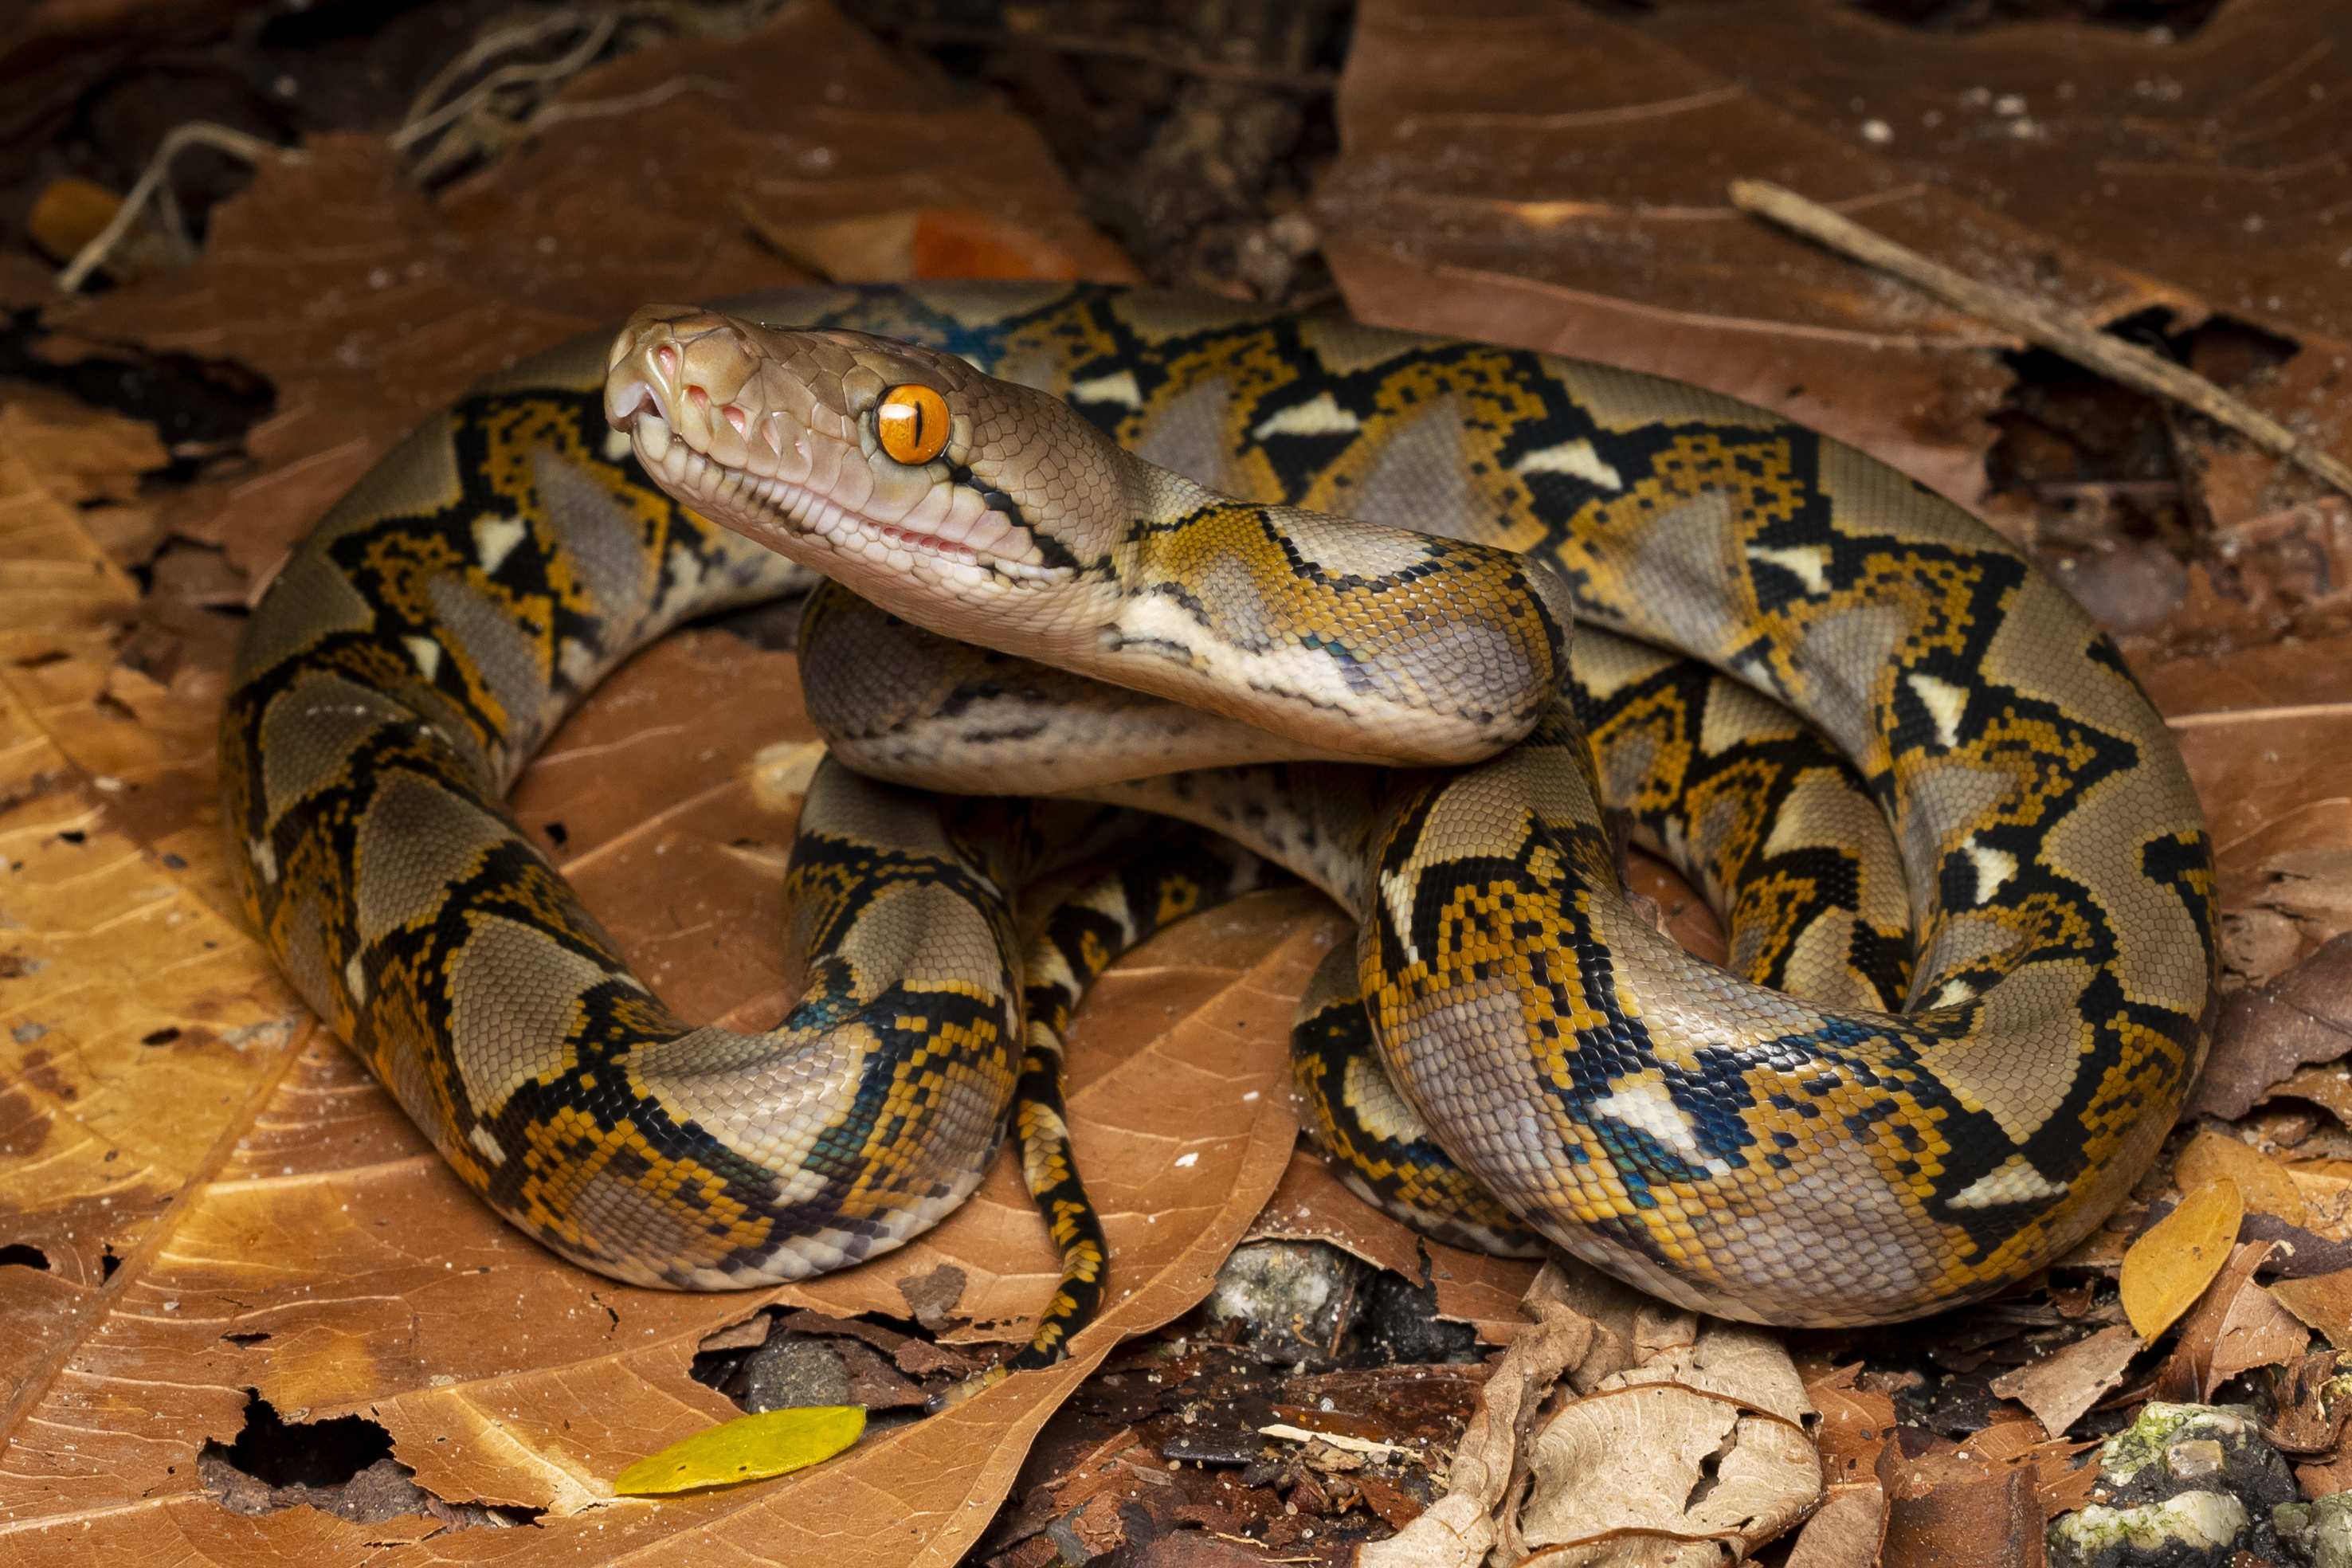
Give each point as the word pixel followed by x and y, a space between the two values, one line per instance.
pixel 1023 528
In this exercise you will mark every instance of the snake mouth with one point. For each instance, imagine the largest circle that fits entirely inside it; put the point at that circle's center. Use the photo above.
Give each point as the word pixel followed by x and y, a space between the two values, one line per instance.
pixel 793 517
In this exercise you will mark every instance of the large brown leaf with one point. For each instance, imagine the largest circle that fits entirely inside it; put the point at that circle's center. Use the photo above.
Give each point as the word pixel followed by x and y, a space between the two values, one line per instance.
pixel 2100 137
pixel 1552 177
pixel 367 305
pixel 277 1226
pixel 211 1196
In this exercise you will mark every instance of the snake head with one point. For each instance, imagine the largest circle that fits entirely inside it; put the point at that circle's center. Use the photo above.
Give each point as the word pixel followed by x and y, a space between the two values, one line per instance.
pixel 899 470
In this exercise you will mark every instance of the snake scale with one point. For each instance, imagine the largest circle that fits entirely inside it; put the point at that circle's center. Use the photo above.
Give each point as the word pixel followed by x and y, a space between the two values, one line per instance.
pixel 2007 992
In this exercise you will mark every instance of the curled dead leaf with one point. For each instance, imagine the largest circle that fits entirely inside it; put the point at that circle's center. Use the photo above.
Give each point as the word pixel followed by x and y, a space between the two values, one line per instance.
pixel 1627 1461
pixel 2323 1302
pixel 2060 1389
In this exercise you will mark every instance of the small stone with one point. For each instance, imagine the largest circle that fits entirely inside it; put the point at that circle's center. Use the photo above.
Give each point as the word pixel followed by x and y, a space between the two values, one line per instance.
pixel 1291 1299
pixel 792 1372
pixel 2198 1456
pixel 2321 1530
pixel 2193 1528
pixel 2189 1485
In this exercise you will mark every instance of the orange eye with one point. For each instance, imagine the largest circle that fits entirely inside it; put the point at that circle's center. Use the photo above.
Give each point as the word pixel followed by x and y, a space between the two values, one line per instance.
pixel 912 423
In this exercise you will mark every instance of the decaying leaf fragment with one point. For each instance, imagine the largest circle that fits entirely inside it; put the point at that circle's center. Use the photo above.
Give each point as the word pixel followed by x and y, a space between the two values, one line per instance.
pixel 2169 1267
pixel 2261 1035
pixel 1626 1463
pixel 2060 1389
pixel 1668 1400
pixel 2263 1181
pixel 749 1448
pixel 2324 1302
pixel 1457 1530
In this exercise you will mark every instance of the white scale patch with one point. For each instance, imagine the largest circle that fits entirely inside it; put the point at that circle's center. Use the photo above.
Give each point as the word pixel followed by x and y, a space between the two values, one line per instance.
pixel 1119 389
pixel 1574 457
pixel 1647 1107
pixel 1319 416
pixel 685 574
pixel 427 654
pixel 2016 1182
pixel 1810 563
pixel 1945 703
pixel 1994 867
pixel 577 660
pixel 495 539
pixel 264 858
pixel 1955 993
pixel 1159 628
pixel 480 1137
pixel 356 980
pixel 1397 890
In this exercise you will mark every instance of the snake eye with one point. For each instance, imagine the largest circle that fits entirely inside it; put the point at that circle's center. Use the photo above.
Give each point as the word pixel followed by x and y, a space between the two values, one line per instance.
pixel 912 423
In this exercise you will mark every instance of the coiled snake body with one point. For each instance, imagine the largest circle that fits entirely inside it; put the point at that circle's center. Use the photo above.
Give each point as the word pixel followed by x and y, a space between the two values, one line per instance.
pixel 1725 1147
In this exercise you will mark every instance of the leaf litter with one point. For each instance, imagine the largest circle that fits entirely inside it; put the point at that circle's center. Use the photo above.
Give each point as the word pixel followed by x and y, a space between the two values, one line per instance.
pixel 296 1239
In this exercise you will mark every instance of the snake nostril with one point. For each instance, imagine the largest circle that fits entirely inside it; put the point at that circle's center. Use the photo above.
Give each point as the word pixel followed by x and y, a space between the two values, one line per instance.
pixel 665 357
pixel 738 419
pixel 698 397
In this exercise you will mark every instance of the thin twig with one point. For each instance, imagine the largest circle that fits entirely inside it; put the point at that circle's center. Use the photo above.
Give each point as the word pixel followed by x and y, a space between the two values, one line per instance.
pixel 2039 323
pixel 196 133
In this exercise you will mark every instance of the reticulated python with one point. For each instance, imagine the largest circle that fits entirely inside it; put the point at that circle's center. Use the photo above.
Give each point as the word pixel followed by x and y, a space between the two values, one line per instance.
pixel 1725 1147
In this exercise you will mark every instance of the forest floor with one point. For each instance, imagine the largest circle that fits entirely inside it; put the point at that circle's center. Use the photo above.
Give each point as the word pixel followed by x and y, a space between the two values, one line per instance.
pixel 243 1308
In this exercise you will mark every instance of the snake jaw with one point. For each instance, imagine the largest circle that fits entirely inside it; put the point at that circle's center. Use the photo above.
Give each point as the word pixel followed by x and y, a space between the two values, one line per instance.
pixel 767 433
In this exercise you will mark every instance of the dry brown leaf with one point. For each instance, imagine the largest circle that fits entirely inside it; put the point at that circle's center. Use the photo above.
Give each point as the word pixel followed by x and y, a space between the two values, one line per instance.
pixel 2171 1265
pixel 1556 179
pixel 1946 1506
pixel 2060 1389
pixel 2093 134
pixel 2061 1484
pixel 2327 1199
pixel 914 242
pixel 2246 680
pixel 2256 1332
pixel 1849 1532
pixel 1855 1424
pixel 1456 1531
pixel 2323 1302
pixel 2328 1087
pixel 1666 1396
pixel 2262 1035
pixel 272 1221
pixel 810 118
pixel 2186 1376
pixel 353 1272
pixel 1683 913
pixel 1627 1461
pixel 2098 141
pixel 140 1024
pixel 2266 734
pixel 2261 1181
pixel 2311 1411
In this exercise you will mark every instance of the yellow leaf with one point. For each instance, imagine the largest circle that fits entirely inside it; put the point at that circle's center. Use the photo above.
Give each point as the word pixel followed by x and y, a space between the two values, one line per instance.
pixel 750 1449
pixel 2264 1182
pixel 2167 1268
